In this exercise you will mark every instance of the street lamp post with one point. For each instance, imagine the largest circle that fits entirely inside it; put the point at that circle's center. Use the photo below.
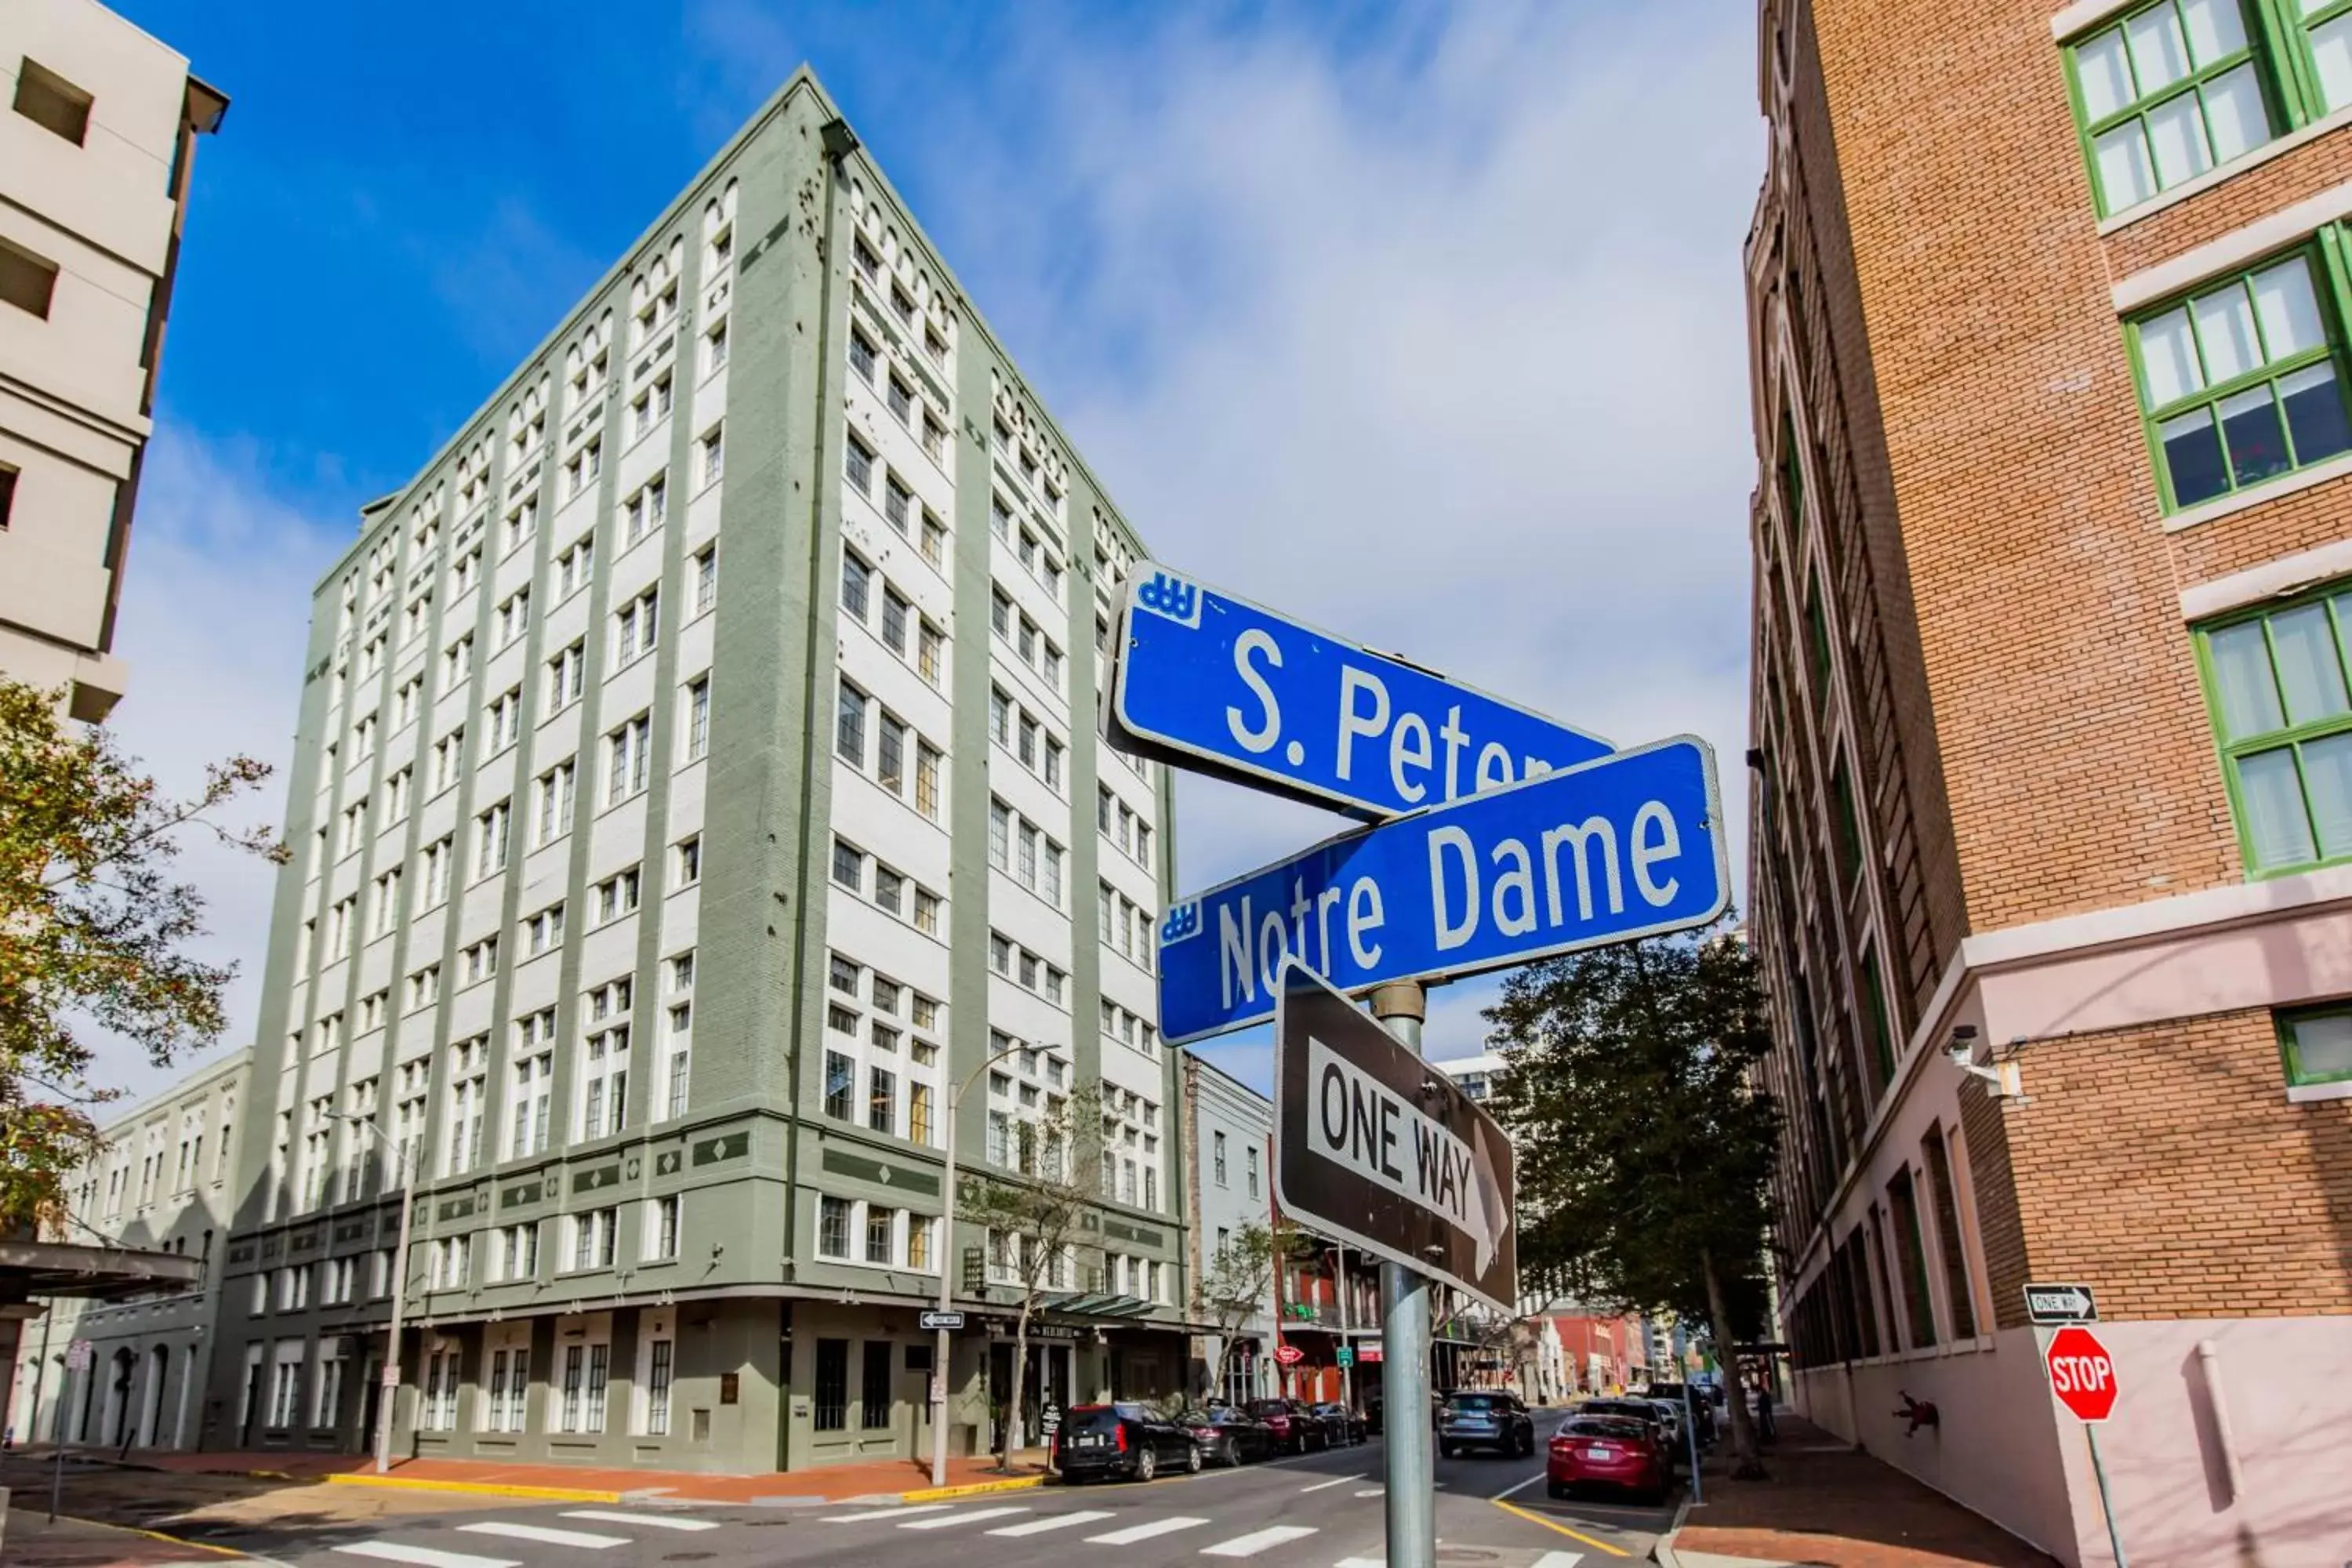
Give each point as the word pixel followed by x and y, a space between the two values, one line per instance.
pixel 947 1254
pixel 389 1389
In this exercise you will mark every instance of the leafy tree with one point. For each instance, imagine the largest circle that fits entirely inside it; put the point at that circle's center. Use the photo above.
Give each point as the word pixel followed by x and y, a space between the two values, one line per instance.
pixel 1235 1281
pixel 1645 1146
pixel 1030 1216
pixel 92 932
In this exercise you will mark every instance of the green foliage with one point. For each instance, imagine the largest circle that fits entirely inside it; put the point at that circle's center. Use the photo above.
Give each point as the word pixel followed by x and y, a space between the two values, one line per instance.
pixel 92 927
pixel 1236 1276
pixel 1645 1147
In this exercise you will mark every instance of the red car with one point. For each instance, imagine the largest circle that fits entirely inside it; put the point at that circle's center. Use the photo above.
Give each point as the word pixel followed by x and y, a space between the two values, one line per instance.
pixel 1607 1450
pixel 1295 1429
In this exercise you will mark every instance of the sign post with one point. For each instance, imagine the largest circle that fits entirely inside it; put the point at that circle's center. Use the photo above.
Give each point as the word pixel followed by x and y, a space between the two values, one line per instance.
pixel 2082 1376
pixel 1410 1496
pixel 79 1356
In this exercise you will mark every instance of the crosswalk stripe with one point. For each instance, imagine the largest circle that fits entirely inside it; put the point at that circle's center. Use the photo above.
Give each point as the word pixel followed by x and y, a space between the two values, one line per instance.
pixel 424 1556
pixel 1559 1560
pixel 1054 1522
pixel 863 1514
pixel 1373 1491
pixel 1146 1530
pixel 1327 1485
pixel 1361 1563
pixel 658 1521
pixel 546 1535
pixel 973 1517
pixel 1257 1540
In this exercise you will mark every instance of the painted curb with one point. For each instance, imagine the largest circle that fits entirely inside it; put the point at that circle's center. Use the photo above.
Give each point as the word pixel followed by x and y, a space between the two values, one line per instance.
pixel 480 1489
pixel 1663 1552
pixel 150 1534
pixel 975 1489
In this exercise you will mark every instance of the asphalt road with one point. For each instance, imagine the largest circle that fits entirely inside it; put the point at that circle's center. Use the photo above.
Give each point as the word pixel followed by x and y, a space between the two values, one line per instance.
pixel 1319 1510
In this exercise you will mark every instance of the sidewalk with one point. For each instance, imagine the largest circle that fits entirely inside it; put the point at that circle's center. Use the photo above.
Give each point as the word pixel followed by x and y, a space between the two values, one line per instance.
pixel 897 1479
pixel 1827 1506
pixel 34 1542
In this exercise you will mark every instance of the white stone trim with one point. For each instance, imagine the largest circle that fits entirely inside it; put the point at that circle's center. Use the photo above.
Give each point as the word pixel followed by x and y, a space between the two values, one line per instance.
pixel 2220 173
pixel 2312 1093
pixel 2180 915
pixel 2224 253
pixel 2272 580
pixel 2083 15
pixel 2259 495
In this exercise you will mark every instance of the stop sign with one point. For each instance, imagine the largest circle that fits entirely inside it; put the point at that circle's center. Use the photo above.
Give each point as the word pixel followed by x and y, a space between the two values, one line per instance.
pixel 1288 1354
pixel 2082 1374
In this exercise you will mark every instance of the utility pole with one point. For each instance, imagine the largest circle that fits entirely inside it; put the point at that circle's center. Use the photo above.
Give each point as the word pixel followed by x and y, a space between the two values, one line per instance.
pixel 1410 1498
pixel 389 1391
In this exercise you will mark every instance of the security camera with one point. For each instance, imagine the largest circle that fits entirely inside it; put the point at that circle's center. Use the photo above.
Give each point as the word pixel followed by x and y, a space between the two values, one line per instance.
pixel 1961 1050
pixel 1962 1045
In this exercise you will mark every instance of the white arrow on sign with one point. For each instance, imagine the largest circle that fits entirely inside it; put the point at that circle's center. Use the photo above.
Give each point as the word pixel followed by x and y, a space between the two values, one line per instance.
pixel 1357 1123
pixel 2063 1300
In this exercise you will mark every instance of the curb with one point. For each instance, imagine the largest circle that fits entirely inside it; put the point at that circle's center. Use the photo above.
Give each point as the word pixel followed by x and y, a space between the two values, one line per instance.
pixel 974 1489
pixel 479 1488
pixel 1663 1552
pixel 150 1534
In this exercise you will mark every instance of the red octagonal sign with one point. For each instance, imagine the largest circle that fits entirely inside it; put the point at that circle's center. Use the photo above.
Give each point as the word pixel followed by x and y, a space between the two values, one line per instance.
pixel 2082 1374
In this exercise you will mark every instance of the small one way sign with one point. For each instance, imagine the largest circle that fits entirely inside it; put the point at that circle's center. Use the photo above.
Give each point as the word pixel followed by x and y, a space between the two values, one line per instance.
pixel 1375 1148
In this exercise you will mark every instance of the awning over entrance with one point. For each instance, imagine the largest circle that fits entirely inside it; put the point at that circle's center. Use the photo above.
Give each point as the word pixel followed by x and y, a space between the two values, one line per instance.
pixel 53 1268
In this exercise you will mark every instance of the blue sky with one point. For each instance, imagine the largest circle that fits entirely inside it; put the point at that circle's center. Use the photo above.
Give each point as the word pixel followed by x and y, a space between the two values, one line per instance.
pixel 1422 322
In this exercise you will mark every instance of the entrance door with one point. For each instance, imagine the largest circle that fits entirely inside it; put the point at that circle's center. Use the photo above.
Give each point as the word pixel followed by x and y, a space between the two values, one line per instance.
pixel 1048 1372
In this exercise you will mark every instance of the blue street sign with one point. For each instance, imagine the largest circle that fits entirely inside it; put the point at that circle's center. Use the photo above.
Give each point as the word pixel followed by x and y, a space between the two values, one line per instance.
pixel 1218 685
pixel 1633 845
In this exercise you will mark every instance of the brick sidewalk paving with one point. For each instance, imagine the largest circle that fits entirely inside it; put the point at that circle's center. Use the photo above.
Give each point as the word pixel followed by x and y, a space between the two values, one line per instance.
pixel 1828 1506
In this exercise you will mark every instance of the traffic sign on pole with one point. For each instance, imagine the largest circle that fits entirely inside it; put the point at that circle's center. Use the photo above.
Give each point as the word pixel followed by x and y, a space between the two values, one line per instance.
pixel 934 1321
pixel 1216 684
pixel 2082 1374
pixel 2060 1304
pixel 1373 1149
pixel 78 1355
pixel 1633 845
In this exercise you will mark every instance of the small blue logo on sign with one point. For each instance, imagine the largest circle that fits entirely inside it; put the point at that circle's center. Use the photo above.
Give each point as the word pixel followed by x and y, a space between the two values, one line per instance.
pixel 1183 920
pixel 1170 596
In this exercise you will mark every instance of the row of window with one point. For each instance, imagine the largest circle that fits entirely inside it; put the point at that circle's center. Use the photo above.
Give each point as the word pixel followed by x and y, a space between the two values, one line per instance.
pixel 898 395
pixel 886 887
pixel 911 519
pixel 1025 852
pixel 1030 739
pixel 897 757
pixel 903 629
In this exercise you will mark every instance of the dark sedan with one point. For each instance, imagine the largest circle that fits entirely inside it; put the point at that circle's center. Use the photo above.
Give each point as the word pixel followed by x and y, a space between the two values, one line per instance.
pixel 1344 1425
pixel 1486 1420
pixel 1130 1440
pixel 1228 1436
pixel 1295 1429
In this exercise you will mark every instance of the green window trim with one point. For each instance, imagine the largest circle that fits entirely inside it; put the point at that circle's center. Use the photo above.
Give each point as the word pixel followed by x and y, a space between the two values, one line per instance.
pixel 1817 637
pixel 2278 693
pixel 1792 472
pixel 2172 88
pixel 1845 824
pixel 1882 1032
pixel 2316 1045
pixel 2240 381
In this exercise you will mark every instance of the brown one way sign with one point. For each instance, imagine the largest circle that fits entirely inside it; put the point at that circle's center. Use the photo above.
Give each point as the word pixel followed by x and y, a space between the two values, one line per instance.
pixel 1374 1148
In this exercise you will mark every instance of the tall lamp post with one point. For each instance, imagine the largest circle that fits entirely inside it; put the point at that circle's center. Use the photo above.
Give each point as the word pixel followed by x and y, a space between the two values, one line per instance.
pixel 390 1388
pixel 947 1256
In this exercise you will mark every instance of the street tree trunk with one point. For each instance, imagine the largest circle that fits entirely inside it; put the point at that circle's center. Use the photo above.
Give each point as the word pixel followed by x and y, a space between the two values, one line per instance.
pixel 1745 1465
pixel 1020 1371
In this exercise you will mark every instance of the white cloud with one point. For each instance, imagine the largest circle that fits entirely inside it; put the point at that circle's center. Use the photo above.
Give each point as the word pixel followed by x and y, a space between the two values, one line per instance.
pixel 216 615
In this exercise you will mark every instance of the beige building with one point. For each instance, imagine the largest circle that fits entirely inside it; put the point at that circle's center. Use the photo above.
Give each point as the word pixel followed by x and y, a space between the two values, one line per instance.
pixel 95 153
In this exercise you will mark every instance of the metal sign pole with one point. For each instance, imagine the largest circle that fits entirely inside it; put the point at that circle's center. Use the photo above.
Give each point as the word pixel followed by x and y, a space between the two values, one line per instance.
pixel 2107 1504
pixel 1410 1496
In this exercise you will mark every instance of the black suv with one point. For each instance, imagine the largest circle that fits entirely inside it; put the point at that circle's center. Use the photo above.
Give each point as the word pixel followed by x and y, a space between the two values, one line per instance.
pixel 1131 1440
pixel 1484 1419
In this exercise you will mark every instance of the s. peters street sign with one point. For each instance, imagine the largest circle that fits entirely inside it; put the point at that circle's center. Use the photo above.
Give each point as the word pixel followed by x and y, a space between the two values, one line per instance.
pixel 1218 685
pixel 1629 845
pixel 1375 1148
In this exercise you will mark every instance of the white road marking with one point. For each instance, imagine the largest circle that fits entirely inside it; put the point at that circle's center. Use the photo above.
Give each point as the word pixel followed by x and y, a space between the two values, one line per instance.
pixel 1523 1486
pixel 1257 1540
pixel 1326 1486
pixel 547 1535
pixel 1145 1531
pixel 658 1521
pixel 424 1556
pixel 1054 1522
pixel 1559 1560
pixel 974 1517
pixel 1373 1491
pixel 882 1513
pixel 1361 1563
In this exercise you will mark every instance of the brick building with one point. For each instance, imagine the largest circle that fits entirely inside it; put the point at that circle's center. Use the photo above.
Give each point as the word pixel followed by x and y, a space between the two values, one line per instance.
pixel 2051 706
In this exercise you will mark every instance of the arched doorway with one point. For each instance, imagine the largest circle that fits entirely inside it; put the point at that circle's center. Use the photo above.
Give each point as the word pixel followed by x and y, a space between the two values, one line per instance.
pixel 151 1425
pixel 118 1396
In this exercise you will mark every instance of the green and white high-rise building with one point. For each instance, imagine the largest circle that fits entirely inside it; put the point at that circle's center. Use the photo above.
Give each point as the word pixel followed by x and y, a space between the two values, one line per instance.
pixel 699 775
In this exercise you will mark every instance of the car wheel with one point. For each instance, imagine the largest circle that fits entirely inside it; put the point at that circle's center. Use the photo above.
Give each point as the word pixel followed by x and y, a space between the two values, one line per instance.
pixel 1554 1490
pixel 1445 1450
pixel 1192 1460
pixel 1147 1465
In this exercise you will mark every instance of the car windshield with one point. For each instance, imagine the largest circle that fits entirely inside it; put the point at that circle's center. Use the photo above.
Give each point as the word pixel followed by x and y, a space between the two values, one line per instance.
pixel 1196 1417
pixel 1230 1418
pixel 1601 1426
pixel 1620 1408
pixel 1673 1391
pixel 1476 1403
pixel 1268 1407
pixel 1092 1418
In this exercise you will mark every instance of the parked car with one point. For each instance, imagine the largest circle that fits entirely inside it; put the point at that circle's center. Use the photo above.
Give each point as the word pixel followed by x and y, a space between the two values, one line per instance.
pixel 1295 1430
pixel 1484 1419
pixel 1655 1415
pixel 1374 1402
pixel 1343 1423
pixel 1133 1441
pixel 1701 1412
pixel 1615 1451
pixel 1227 1434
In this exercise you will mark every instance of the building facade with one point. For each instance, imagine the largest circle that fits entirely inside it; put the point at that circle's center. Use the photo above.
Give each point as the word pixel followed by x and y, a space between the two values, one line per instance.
pixel 160 1182
pixel 94 166
pixel 696 801
pixel 1228 1139
pixel 2051 534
